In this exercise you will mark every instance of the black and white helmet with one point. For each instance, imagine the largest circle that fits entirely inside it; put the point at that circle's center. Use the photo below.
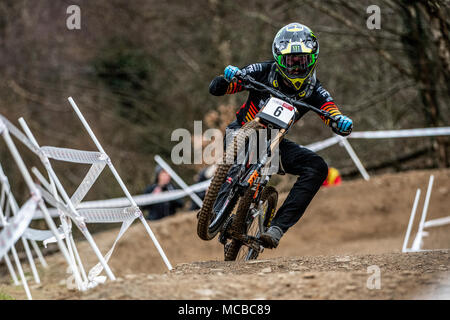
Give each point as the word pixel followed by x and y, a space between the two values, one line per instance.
pixel 295 49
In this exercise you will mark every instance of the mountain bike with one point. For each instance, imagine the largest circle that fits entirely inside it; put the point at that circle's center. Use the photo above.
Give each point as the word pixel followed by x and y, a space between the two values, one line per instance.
pixel 245 177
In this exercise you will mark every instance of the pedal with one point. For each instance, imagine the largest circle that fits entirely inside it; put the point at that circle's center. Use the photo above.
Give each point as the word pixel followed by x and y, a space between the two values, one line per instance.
pixel 249 241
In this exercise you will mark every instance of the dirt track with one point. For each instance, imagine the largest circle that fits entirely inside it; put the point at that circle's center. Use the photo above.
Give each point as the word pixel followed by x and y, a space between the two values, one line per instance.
pixel 325 256
pixel 403 276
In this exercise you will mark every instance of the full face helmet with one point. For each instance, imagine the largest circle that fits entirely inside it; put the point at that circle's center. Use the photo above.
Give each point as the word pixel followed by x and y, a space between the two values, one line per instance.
pixel 296 50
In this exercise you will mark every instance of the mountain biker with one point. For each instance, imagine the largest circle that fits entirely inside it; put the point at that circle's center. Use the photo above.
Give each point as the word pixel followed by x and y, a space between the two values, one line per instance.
pixel 293 72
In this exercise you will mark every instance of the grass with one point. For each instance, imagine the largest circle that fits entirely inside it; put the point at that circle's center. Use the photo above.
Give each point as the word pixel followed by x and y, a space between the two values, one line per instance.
pixel 5 296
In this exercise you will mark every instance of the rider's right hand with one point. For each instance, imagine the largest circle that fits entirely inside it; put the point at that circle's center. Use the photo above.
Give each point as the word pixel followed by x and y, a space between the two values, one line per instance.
pixel 230 72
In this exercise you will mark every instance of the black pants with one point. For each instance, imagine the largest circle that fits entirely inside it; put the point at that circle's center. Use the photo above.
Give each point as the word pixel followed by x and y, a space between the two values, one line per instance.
pixel 311 170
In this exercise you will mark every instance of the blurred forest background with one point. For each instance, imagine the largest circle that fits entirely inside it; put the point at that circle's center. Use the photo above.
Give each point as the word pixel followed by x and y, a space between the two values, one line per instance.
pixel 140 69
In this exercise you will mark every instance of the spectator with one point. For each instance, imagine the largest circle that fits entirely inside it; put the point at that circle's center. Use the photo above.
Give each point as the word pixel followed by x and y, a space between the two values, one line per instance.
pixel 163 209
pixel 204 174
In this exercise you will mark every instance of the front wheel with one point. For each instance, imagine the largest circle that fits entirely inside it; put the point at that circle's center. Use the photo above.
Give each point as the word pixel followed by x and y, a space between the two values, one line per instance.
pixel 209 224
pixel 234 249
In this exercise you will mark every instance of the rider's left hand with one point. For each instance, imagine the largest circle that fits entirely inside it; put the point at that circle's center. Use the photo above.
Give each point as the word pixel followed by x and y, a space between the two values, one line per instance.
pixel 344 125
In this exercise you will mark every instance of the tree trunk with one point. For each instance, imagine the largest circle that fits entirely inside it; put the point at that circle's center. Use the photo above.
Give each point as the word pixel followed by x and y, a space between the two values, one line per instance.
pixel 427 69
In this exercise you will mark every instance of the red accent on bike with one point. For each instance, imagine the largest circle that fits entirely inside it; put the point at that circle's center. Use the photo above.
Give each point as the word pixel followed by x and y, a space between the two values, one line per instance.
pixel 288 106
pixel 256 192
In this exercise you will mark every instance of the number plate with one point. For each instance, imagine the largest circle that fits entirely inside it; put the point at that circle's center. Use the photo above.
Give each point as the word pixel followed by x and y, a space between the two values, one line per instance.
pixel 279 109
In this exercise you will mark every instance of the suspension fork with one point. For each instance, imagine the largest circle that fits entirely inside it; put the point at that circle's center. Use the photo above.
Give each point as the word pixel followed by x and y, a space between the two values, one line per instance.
pixel 256 172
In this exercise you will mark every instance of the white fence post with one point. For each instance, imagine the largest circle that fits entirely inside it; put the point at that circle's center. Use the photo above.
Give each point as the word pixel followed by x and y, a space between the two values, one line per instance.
pixel 355 158
pixel 10 269
pixel 411 220
pixel 417 244
pixel 21 273
pixel 39 253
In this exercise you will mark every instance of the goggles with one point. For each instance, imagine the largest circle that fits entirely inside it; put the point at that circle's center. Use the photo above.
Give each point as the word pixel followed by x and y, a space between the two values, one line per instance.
pixel 296 65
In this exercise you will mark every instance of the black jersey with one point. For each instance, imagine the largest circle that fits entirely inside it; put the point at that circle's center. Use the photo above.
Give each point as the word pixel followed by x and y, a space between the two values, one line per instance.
pixel 265 72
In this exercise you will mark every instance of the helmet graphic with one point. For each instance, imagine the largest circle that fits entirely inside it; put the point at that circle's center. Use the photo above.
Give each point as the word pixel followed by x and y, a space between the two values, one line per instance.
pixel 296 50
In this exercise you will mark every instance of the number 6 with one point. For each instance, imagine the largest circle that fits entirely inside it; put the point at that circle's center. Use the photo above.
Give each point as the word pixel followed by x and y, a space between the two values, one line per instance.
pixel 278 111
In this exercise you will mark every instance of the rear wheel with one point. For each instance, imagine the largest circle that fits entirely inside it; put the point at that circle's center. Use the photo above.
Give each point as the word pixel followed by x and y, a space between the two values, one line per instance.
pixel 245 223
pixel 208 223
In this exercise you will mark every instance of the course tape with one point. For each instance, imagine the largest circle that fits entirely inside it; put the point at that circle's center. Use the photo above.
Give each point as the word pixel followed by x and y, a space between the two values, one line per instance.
pixel 405 133
pixel 108 215
pixel 90 215
pixel 98 268
pixel 320 145
pixel 88 181
pixel 40 235
pixel 382 134
pixel 73 155
pixel 145 199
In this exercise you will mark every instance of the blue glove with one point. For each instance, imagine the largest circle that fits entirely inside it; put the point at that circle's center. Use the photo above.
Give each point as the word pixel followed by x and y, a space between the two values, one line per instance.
pixel 344 125
pixel 230 72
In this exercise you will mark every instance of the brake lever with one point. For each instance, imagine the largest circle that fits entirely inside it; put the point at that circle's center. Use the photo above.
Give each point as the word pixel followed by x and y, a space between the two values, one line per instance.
pixel 245 80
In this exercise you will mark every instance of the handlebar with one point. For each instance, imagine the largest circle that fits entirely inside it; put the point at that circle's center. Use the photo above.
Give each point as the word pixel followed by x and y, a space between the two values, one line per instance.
pixel 250 83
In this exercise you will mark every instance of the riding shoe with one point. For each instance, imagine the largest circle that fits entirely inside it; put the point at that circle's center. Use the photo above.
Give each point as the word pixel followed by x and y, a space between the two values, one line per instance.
pixel 271 237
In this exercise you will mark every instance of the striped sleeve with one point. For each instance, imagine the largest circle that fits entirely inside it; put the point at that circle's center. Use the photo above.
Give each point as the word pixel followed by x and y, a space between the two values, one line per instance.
pixel 331 108
pixel 234 87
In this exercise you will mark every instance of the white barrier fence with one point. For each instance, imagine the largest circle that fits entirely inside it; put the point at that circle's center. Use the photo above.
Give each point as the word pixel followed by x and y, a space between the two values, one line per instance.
pixel 35 194
pixel 423 224
pixel 67 207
